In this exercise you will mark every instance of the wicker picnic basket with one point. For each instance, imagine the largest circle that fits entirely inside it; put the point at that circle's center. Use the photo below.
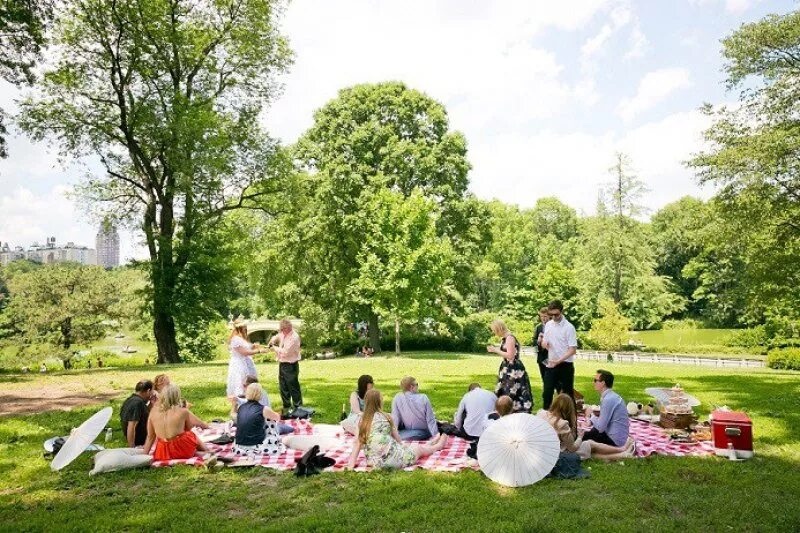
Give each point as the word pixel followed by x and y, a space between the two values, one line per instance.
pixel 677 421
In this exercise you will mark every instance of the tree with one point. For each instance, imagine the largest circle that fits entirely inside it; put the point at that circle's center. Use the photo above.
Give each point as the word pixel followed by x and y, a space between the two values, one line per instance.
pixel 62 305
pixel 370 138
pixel 22 35
pixel 616 259
pixel 611 329
pixel 166 94
pixel 754 161
pixel 677 232
pixel 405 267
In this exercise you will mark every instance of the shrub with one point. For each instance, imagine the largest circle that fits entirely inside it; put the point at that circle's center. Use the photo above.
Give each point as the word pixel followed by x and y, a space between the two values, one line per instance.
pixel 749 338
pixel 611 330
pixel 784 358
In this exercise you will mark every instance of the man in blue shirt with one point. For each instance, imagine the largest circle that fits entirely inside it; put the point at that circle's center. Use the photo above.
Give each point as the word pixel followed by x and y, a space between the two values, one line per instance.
pixel 612 426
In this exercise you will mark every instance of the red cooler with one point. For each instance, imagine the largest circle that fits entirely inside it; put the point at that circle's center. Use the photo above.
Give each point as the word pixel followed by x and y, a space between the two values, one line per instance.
pixel 732 428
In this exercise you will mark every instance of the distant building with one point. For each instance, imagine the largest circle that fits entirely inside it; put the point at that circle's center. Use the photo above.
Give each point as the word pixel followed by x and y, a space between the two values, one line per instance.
pixel 8 254
pixel 49 253
pixel 107 243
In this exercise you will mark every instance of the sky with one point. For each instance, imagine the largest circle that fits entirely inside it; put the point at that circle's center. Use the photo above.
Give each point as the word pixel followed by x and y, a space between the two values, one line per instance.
pixel 545 92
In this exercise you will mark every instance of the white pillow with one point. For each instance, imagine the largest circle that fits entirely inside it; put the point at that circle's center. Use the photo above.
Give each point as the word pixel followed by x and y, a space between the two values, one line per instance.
pixel 306 442
pixel 120 459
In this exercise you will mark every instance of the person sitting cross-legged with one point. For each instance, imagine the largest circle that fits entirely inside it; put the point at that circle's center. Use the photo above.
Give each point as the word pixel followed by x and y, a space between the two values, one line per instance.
pixel 412 412
pixel 609 436
pixel 378 437
pixel 134 412
pixel 169 427
pixel 256 426
pixel 475 406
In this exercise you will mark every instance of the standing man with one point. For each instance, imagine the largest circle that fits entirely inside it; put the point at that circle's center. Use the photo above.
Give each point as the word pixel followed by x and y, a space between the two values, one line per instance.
pixel 287 349
pixel 561 342
pixel 538 337
pixel 134 412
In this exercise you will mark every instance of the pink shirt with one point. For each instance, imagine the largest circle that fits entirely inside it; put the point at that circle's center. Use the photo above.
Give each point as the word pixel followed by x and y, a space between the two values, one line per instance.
pixel 288 349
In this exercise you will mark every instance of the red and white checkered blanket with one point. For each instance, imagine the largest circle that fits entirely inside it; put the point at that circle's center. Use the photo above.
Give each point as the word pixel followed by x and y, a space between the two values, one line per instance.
pixel 452 458
pixel 650 439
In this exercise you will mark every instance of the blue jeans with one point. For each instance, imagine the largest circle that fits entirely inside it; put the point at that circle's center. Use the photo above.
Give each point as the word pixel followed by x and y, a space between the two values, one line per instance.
pixel 283 429
pixel 414 434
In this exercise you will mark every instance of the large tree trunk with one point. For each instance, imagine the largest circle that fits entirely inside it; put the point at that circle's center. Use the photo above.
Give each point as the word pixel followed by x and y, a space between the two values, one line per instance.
pixel 164 331
pixel 397 336
pixel 374 333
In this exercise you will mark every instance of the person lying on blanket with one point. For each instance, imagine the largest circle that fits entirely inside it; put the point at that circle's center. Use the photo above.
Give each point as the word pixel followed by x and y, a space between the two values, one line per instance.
pixel 257 426
pixel 609 437
pixel 377 436
pixel 169 427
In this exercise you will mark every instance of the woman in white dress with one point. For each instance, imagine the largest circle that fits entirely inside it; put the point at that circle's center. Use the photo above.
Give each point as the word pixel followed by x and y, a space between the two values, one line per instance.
pixel 241 364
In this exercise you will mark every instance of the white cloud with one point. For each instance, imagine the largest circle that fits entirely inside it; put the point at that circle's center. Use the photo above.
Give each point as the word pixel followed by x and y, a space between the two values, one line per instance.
pixel 653 89
pixel 638 44
pixel 734 7
pixel 573 166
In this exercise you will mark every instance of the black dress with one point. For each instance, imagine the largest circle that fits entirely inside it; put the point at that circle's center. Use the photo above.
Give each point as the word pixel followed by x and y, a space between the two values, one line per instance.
pixel 513 381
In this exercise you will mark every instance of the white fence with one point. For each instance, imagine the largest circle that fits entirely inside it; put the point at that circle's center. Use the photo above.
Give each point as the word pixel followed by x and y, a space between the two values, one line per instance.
pixel 668 358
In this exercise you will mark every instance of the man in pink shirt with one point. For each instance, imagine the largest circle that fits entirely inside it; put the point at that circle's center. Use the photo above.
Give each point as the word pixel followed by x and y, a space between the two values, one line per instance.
pixel 287 350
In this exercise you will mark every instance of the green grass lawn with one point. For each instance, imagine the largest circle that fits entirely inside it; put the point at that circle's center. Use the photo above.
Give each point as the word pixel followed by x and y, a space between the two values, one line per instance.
pixel 659 493
pixel 711 342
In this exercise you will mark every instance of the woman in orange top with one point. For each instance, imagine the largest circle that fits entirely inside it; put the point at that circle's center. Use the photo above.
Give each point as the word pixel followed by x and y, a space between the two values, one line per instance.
pixel 170 427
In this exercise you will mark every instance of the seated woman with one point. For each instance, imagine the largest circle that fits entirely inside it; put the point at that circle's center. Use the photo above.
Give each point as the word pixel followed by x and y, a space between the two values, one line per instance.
pixel 378 437
pixel 169 427
pixel 350 424
pixel 564 419
pixel 256 426
pixel 160 382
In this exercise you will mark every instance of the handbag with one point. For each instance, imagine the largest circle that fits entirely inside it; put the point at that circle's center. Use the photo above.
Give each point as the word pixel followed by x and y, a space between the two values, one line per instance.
pixel 312 463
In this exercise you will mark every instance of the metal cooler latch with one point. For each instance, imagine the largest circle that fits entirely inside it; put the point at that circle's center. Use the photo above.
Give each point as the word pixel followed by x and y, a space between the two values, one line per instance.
pixel 733 432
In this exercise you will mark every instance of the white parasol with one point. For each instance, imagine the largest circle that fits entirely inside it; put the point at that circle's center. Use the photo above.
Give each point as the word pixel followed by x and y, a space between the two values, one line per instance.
pixel 81 438
pixel 663 396
pixel 518 450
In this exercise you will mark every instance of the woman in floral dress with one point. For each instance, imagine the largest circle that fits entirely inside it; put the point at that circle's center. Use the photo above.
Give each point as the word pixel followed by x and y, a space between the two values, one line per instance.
pixel 378 437
pixel 512 378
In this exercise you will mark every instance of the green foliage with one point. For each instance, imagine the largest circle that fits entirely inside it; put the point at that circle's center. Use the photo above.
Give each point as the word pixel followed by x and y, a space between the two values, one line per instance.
pixel 612 329
pixel 315 326
pixel 784 358
pixel 404 266
pixel 61 305
pixel 170 111
pixel 754 337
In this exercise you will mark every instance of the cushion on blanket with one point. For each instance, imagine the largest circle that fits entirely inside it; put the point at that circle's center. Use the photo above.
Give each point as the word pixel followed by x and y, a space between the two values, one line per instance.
pixel 120 459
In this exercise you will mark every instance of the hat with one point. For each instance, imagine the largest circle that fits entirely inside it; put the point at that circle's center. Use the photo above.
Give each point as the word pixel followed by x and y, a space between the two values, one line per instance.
pixel 237 322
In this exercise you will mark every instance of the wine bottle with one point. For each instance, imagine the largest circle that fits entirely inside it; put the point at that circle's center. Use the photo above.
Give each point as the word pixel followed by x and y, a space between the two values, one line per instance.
pixel 344 414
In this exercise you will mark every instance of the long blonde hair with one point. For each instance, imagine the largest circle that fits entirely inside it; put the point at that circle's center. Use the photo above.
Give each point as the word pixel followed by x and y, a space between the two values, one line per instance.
pixel 563 407
pixel 373 404
pixel 499 328
pixel 169 397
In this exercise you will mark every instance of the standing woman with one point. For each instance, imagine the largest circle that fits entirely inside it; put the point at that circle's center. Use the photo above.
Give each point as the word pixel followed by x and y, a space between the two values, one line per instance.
pixel 512 378
pixel 241 363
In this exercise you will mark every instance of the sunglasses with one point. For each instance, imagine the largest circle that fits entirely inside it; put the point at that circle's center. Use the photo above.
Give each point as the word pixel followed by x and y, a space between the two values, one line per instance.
pixel 597 380
pixel 554 315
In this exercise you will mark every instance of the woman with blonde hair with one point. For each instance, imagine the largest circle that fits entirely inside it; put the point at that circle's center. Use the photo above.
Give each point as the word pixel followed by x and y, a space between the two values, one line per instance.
pixel 512 378
pixel 563 418
pixel 169 427
pixel 257 426
pixel 379 439
pixel 241 363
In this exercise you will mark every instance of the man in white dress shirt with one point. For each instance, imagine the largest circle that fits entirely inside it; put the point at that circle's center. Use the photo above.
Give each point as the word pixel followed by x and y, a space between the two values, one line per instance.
pixel 470 417
pixel 561 342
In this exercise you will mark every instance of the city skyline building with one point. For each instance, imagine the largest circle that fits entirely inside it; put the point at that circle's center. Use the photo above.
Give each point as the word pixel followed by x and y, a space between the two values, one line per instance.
pixel 107 245
pixel 47 253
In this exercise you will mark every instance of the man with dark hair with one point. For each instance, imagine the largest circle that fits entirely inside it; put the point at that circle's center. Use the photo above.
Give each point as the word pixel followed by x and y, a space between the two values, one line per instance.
pixel 612 427
pixel 561 342
pixel 134 412
pixel 471 414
